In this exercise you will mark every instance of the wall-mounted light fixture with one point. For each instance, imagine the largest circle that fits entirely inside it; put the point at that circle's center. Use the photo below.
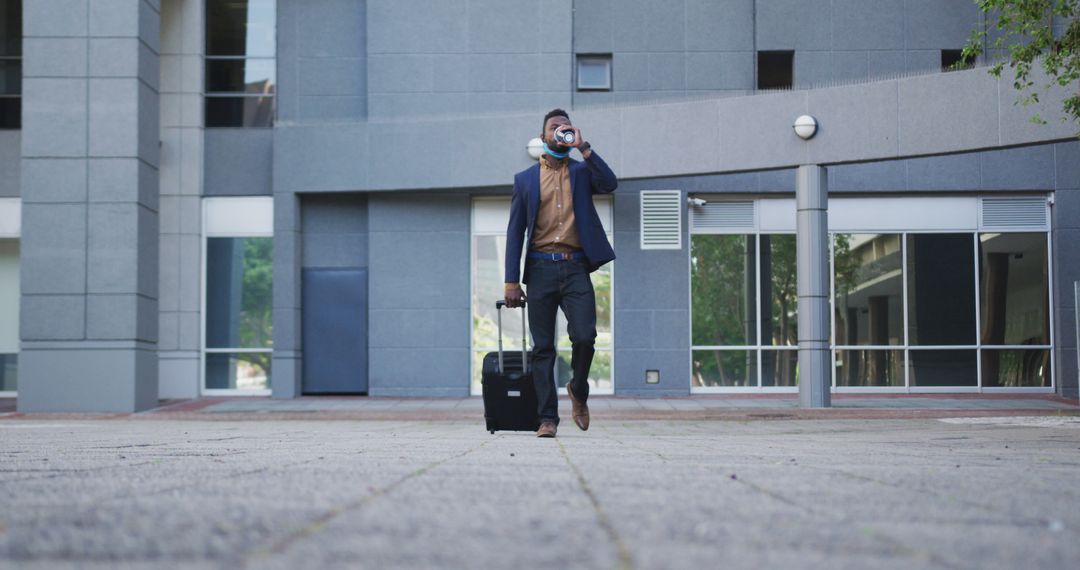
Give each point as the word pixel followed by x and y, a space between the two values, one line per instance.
pixel 652 376
pixel 805 126
pixel 535 148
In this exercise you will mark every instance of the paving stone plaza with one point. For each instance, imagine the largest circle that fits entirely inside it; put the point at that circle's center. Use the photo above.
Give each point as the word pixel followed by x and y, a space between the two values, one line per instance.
pixel 247 487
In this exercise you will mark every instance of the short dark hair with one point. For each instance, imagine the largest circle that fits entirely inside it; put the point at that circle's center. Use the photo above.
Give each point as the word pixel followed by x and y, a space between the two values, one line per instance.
pixel 553 113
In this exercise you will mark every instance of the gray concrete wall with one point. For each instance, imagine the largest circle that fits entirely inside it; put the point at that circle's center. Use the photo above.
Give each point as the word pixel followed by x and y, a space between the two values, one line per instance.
pixel 1066 244
pixel 846 40
pixel 652 306
pixel 681 48
pixel 287 271
pixel 10 162
pixel 89 187
pixel 181 173
pixel 238 162
pixel 457 57
pixel 335 230
pixel 673 48
pixel 418 273
pixel 907 117
pixel 322 60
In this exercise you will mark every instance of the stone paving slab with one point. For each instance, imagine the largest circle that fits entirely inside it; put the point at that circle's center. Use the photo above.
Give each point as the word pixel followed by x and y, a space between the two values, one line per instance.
pixel 987 492
pixel 602 404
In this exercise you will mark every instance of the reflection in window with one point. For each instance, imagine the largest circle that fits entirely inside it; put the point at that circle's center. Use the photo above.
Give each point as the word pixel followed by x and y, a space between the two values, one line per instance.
pixel 9 314
pixel 1027 368
pixel 779 367
pixel 238 371
pixel 240 62
pixel 487 287
pixel 723 290
pixel 869 290
pixel 10 64
pixel 943 368
pixel 724 368
pixel 869 368
pixel 1014 289
pixel 779 295
pixel 941 289
pixel 239 299
pixel 9 372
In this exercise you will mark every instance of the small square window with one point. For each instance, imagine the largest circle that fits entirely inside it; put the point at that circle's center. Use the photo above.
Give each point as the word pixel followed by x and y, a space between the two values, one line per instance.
pixel 953 60
pixel 775 69
pixel 594 72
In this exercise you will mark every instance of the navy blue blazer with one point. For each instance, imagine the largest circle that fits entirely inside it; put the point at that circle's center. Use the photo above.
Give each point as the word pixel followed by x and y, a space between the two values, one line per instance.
pixel 588 177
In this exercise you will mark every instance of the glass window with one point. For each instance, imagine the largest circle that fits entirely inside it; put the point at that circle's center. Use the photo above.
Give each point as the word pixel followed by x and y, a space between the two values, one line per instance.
pixel 779 296
pixel 594 72
pixel 954 309
pixel 1023 368
pixel 239 301
pixel 238 292
pixel 723 289
pixel 241 27
pixel 250 76
pixel 241 63
pixel 10 77
pixel 600 373
pixel 238 371
pixel 869 367
pixel 779 367
pixel 239 111
pixel 869 290
pixel 724 368
pixel 10 27
pixel 1014 289
pixel 943 368
pixel 10 64
pixel 9 314
pixel 941 289
pixel 488 254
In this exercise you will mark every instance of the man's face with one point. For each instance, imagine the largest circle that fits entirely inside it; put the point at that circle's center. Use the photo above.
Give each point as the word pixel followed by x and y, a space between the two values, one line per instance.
pixel 554 124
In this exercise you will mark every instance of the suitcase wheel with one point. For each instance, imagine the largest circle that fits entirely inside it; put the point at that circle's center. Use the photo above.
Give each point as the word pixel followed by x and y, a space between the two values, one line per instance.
pixel 492 431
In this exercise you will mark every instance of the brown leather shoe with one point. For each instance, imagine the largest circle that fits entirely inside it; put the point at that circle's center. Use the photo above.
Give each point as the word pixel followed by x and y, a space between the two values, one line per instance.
pixel 580 410
pixel 547 429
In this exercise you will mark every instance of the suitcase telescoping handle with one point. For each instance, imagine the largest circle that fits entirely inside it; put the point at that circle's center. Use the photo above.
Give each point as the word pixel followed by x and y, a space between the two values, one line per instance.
pixel 524 356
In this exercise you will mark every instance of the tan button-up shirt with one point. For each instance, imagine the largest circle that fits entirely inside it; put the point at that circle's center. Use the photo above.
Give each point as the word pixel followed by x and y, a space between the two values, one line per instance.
pixel 555 231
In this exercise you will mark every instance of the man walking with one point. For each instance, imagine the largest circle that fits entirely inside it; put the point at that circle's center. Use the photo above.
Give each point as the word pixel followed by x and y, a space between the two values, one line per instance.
pixel 552 216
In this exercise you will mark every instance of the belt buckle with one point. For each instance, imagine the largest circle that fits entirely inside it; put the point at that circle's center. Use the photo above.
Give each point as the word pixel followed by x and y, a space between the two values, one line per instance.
pixel 565 256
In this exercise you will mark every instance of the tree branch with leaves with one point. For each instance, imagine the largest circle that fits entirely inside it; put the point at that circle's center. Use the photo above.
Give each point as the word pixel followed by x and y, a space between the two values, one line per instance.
pixel 1033 34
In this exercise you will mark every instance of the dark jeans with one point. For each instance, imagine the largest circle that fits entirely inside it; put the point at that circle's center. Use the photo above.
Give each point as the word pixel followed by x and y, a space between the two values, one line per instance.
pixel 554 285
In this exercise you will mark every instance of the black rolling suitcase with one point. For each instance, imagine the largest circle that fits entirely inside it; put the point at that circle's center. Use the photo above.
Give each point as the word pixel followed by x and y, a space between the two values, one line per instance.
pixel 509 394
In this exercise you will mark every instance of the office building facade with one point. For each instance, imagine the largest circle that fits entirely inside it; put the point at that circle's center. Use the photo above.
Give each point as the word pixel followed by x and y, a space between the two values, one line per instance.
pixel 217 197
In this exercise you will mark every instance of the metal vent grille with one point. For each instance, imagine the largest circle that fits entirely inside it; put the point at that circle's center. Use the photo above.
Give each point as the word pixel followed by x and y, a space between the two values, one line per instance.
pixel 1012 213
pixel 661 219
pixel 724 216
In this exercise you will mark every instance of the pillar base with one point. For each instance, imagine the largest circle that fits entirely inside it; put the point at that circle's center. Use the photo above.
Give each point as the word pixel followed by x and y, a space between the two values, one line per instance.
pixel 98 379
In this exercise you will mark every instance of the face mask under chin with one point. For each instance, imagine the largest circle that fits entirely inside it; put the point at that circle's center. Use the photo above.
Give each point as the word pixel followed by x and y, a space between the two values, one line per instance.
pixel 556 146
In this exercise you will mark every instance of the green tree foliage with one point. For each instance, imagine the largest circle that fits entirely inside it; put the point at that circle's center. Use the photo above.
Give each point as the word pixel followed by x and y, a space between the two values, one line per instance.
pixel 256 319
pixel 1033 33
pixel 723 309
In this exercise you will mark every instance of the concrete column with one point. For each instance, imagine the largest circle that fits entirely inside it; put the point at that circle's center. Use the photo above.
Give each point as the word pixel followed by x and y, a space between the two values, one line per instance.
pixel 286 371
pixel 812 235
pixel 182 63
pixel 89 275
